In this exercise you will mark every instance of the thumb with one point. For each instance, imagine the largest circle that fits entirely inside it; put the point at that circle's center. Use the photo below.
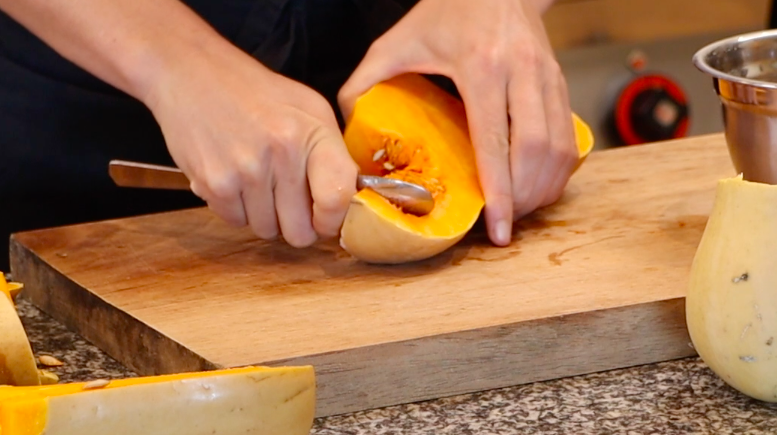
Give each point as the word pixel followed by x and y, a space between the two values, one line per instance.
pixel 332 179
pixel 388 57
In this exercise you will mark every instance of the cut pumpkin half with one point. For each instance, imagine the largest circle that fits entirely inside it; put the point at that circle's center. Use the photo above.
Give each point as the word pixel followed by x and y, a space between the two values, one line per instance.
pixel 409 128
pixel 246 400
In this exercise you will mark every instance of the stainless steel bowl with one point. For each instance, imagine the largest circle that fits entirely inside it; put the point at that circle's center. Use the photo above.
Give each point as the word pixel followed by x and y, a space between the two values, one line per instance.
pixel 744 75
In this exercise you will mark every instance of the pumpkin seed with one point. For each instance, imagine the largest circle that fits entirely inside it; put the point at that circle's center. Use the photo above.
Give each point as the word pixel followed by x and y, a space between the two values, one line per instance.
pixel 97 383
pixel 378 154
pixel 49 361
pixel 47 378
pixel 388 166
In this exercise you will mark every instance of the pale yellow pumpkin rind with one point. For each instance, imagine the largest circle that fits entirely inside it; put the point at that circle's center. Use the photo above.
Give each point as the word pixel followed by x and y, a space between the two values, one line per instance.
pixel 17 361
pixel 731 305
pixel 251 400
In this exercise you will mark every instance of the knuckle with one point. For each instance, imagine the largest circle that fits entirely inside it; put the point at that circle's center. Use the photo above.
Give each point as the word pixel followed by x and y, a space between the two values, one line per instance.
pixel 328 213
pixel 249 169
pixel 499 197
pixel 345 95
pixel 530 55
pixel 333 202
pixel 494 145
pixel 220 186
pixel 378 46
pixel 286 133
pixel 551 197
pixel 564 154
pixel 554 71
pixel 320 106
pixel 490 58
pixel 568 156
pixel 535 145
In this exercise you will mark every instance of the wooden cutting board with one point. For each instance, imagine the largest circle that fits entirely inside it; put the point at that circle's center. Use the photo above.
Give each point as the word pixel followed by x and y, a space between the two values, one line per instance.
pixel 594 282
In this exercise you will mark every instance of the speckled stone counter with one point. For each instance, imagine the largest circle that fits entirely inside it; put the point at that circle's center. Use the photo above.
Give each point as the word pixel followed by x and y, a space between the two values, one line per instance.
pixel 677 397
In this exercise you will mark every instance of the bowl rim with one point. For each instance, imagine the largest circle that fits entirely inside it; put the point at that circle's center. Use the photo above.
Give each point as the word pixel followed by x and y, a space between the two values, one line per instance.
pixel 699 58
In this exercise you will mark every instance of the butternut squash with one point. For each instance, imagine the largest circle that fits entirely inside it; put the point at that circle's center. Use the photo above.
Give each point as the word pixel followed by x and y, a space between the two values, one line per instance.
pixel 248 400
pixel 17 362
pixel 731 305
pixel 408 128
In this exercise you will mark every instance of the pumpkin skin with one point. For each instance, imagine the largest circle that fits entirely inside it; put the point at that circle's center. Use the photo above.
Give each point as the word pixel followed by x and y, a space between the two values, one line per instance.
pixel 409 128
pixel 245 400
pixel 731 305
pixel 17 362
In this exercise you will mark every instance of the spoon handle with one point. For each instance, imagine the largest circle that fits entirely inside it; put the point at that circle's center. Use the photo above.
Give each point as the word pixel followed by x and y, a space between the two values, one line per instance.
pixel 134 174
pixel 410 197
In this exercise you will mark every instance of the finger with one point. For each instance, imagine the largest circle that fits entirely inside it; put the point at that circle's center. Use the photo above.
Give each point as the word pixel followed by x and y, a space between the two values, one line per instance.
pixel 259 203
pixel 529 136
pixel 564 154
pixel 332 177
pixel 293 203
pixel 560 151
pixel 222 194
pixel 384 60
pixel 485 103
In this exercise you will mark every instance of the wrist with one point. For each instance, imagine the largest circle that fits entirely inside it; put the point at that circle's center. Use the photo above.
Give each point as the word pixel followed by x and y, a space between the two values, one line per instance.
pixel 165 59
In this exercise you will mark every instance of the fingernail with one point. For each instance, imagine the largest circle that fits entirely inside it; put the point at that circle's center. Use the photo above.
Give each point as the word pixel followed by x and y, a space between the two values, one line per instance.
pixel 502 231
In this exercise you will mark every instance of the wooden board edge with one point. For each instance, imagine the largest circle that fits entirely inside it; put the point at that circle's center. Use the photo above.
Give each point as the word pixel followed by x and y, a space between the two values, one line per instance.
pixel 134 344
pixel 484 359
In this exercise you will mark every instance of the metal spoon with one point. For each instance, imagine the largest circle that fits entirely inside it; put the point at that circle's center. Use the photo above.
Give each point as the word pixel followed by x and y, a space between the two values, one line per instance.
pixel 410 197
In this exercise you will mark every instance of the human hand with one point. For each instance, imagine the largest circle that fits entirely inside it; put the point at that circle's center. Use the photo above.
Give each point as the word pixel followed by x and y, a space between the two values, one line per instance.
pixel 498 55
pixel 260 149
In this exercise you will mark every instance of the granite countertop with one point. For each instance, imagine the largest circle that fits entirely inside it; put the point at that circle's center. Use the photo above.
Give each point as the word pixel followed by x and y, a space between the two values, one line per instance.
pixel 676 397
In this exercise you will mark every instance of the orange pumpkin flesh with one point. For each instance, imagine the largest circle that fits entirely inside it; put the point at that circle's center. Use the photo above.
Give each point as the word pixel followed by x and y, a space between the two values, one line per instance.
pixel 408 128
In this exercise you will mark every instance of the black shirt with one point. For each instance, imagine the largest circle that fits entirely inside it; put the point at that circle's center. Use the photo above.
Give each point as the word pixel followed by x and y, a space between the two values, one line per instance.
pixel 60 126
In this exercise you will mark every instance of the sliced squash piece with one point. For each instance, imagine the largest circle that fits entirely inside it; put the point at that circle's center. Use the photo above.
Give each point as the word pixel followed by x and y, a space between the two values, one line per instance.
pixel 11 289
pixel 409 128
pixel 17 362
pixel 731 305
pixel 249 400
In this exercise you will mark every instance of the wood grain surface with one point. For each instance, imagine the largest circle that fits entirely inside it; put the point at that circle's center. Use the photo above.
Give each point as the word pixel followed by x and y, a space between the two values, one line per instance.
pixel 594 282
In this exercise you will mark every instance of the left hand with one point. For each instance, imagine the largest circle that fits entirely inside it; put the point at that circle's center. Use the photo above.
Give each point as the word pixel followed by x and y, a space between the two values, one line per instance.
pixel 498 55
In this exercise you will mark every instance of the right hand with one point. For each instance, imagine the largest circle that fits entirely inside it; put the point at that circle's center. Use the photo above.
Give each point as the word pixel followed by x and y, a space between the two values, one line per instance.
pixel 260 149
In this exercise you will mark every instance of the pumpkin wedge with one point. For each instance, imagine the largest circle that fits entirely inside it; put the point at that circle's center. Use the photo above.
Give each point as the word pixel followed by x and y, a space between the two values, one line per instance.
pixel 17 362
pixel 247 400
pixel 409 128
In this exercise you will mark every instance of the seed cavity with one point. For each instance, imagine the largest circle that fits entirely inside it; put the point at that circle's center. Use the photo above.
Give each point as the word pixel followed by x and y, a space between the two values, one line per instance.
pixel 741 278
pixel 404 161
